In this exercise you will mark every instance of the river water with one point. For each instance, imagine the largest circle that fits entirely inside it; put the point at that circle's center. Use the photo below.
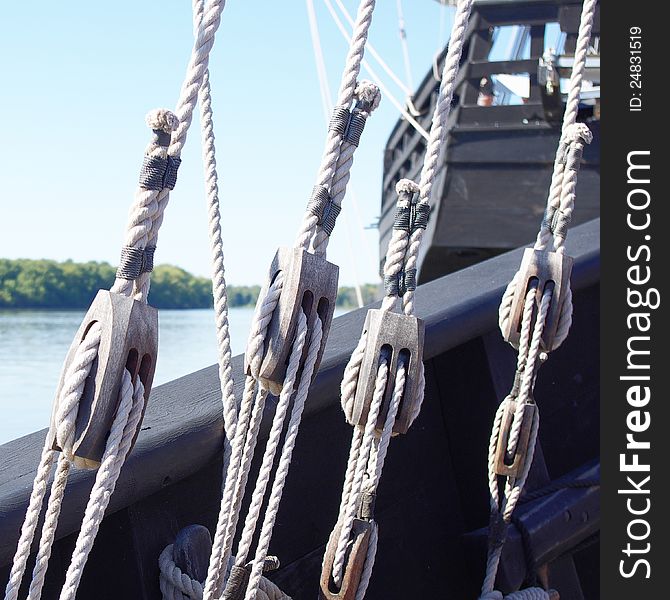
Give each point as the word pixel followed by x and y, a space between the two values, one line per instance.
pixel 33 344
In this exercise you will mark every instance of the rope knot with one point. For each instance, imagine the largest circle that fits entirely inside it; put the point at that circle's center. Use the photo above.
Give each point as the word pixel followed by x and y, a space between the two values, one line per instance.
pixel 578 132
pixel 162 119
pixel 367 96
pixel 407 186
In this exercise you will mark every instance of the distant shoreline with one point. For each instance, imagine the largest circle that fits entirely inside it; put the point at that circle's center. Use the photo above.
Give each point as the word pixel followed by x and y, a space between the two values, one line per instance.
pixel 52 285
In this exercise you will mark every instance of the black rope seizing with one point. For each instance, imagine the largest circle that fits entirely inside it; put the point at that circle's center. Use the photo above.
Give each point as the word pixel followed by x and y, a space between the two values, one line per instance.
pixel 322 206
pixel 135 261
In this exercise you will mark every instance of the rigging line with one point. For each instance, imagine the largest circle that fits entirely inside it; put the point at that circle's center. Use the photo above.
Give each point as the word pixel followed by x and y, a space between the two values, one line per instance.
pixel 321 72
pixel 403 44
pixel 326 101
pixel 385 91
pixel 408 91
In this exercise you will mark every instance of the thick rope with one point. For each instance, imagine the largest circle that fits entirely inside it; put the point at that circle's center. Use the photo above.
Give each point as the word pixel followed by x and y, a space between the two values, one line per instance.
pixel 121 435
pixel 368 450
pixel 65 421
pixel 346 519
pixel 30 522
pixel 146 215
pixel 119 441
pixel 244 442
pixel 529 357
pixel 560 206
pixel 177 585
pixel 285 458
pixel 337 159
pixel 272 444
pixel 561 198
pixel 403 251
pixel 571 111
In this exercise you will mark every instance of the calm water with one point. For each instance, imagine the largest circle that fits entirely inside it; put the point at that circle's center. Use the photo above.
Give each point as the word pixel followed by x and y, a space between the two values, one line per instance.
pixel 33 344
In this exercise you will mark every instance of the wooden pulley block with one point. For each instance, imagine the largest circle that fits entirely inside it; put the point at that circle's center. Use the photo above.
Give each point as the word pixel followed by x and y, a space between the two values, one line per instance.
pixel 402 336
pixel 547 268
pixel 361 532
pixel 129 340
pixel 310 284
pixel 514 465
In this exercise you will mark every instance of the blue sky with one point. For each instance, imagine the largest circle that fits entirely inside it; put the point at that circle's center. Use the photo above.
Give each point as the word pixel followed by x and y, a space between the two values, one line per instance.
pixel 79 77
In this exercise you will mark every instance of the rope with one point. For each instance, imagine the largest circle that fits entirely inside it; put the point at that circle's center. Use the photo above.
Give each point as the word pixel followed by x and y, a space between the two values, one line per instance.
pixel 216 248
pixel 157 178
pixel 294 390
pixel 337 159
pixel 177 585
pixel 131 402
pixel 369 447
pixel 146 214
pixel 560 205
pixel 403 251
pixel 408 111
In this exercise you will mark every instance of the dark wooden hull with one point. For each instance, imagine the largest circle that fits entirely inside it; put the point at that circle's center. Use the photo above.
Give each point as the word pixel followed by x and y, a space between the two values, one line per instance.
pixel 494 175
pixel 433 500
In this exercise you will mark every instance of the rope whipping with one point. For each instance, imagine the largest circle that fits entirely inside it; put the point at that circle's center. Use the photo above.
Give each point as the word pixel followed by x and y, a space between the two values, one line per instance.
pixel 157 178
pixel 370 440
pixel 516 423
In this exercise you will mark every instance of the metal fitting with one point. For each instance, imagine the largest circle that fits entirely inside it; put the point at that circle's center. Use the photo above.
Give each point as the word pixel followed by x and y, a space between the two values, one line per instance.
pixel 310 285
pixel 548 269
pixel 361 532
pixel 402 336
pixel 129 340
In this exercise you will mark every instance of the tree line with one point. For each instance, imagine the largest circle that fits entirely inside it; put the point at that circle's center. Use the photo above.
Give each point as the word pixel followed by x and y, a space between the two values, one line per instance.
pixel 26 283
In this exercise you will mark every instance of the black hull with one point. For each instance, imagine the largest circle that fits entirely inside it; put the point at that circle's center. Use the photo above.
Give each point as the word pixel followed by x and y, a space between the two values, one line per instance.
pixel 495 172
pixel 433 502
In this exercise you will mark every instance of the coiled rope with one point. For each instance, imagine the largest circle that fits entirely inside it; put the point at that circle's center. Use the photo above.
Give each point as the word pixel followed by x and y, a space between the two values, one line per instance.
pixel 553 231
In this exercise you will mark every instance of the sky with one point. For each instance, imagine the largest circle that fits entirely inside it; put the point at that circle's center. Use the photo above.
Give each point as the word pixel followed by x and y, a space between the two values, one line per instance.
pixel 80 76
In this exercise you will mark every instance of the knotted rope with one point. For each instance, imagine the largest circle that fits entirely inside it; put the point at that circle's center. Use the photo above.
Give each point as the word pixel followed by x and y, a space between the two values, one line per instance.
pixel 177 585
pixel 369 446
pixel 560 205
pixel 355 102
pixel 162 156
pixel 157 178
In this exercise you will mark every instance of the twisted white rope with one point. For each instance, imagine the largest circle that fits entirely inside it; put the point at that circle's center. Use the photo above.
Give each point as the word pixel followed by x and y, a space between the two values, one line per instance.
pixel 337 157
pixel 273 442
pixel 571 109
pixel 532 593
pixel 285 459
pixel 561 197
pixel 65 419
pixel 216 249
pixel 119 441
pixel 30 522
pixel 177 585
pixel 404 247
pixel 368 452
pixel 121 435
pixel 529 358
pixel 146 214
pixel 346 519
pixel 244 442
